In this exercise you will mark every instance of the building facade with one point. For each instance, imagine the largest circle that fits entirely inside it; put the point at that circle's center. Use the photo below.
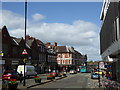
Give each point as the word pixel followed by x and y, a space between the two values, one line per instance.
pixel 51 56
pixel 6 48
pixel 68 58
pixel 110 35
pixel 38 53
pixel 44 57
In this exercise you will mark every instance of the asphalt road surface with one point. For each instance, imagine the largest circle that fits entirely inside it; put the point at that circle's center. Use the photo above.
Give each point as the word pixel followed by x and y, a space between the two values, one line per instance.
pixel 80 80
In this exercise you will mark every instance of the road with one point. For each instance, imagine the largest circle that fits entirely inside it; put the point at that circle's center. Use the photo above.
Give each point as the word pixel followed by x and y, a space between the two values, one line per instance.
pixel 80 80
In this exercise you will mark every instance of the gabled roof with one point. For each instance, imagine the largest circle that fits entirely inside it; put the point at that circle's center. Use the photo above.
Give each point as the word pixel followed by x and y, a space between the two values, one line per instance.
pixel 4 29
pixel 14 42
pixel 18 40
pixel 39 42
pixel 62 49
pixel 29 42
pixel 77 52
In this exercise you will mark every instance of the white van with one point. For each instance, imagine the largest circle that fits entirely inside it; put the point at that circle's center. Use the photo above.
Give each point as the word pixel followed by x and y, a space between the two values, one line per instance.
pixel 29 70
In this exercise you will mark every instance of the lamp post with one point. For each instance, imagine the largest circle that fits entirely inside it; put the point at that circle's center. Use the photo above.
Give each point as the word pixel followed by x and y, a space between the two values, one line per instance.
pixel 99 74
pixel 25 39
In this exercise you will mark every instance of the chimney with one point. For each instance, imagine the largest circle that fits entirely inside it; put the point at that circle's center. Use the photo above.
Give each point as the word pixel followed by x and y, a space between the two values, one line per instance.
pixel 27 37
pixel 55 44
pixel 48 44
pixel 72 48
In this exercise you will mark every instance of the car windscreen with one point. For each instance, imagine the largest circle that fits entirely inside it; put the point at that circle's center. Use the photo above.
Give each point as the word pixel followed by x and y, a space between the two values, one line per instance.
pixel 14 72
pixel 95 74
pixel 7 73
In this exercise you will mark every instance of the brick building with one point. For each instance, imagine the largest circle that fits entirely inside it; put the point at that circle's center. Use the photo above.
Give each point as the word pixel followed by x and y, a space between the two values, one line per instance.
pixel 52 58
pixel 38 53
pixel 6 48
pixel 68 58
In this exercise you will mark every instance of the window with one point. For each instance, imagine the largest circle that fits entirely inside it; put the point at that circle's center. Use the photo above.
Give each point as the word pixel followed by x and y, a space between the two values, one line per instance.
pixel 66 55
pixel 63 62
pixel 58 61
pixel 70 62
pixel 59 55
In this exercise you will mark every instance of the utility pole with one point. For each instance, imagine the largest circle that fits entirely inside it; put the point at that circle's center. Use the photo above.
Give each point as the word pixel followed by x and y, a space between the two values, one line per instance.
pixel 24 83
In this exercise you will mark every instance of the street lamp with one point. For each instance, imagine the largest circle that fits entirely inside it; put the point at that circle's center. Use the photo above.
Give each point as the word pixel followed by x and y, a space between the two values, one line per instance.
pixel 25 39
pixel 98 74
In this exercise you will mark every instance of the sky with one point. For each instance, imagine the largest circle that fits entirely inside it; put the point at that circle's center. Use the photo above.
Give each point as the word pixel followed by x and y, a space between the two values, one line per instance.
pixel 74 24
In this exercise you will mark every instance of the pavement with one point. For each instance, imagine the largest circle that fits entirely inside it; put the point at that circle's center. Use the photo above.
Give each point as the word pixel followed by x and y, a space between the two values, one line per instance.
pixel 104 79
pixel 94 83
pixel 31 82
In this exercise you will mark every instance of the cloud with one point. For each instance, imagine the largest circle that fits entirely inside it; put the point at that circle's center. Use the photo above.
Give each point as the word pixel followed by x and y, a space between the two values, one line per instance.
pixel 82 35
pixel 38 17
pixel 11 19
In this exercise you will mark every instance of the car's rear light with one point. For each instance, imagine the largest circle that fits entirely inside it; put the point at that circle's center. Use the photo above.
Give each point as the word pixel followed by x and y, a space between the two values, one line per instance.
pixel 8 77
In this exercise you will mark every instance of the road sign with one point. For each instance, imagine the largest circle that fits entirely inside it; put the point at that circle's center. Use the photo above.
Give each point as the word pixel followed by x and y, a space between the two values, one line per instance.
pixel 101 65
pixel 24 60
pixel 1 54
pixel 24 52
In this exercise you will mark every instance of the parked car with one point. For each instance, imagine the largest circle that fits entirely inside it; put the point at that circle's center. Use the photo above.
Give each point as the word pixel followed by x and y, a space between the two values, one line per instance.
pixel 10 74
pixel 95 76
pixel 73 72
pixel 56 73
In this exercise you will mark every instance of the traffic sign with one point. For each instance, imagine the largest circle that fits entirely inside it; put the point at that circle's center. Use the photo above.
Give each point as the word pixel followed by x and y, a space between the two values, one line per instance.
pixel 24 60
pixel 1 54
pixel 101 65
pixel 24 52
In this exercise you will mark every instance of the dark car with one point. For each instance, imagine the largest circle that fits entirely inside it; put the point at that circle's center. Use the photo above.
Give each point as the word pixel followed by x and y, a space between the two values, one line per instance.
pixel 95 76
pixel 10 74
pixel 56 73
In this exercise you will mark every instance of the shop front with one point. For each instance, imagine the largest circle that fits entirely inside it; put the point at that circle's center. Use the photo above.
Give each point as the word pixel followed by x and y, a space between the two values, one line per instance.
pixel 115 70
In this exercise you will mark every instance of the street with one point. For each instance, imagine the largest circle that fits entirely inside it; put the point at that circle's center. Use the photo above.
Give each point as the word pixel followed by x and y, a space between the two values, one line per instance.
pixel 60 45
pixel 80 80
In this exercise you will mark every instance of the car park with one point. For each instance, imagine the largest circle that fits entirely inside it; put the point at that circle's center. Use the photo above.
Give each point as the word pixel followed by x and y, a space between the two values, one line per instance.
pixel 95 76
pixel 73 72
pixel 10 74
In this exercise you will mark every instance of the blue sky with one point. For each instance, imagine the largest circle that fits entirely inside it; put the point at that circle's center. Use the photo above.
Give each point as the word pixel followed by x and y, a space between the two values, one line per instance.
pixel 74 24
pixel 62 12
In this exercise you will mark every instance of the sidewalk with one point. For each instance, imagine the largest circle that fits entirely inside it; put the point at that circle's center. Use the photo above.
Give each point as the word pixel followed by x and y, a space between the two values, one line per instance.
pixel 104 79
pixel 31 83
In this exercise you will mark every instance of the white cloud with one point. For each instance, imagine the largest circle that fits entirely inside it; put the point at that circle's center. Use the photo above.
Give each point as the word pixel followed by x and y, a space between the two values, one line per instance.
pixel 80 34
pixel 38 17
pixel 11 19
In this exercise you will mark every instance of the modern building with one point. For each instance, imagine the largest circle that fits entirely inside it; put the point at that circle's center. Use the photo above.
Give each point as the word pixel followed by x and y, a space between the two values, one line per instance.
pixel 110 35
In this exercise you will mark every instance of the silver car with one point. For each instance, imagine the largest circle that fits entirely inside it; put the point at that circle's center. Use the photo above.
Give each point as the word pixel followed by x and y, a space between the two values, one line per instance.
pixel 73 72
